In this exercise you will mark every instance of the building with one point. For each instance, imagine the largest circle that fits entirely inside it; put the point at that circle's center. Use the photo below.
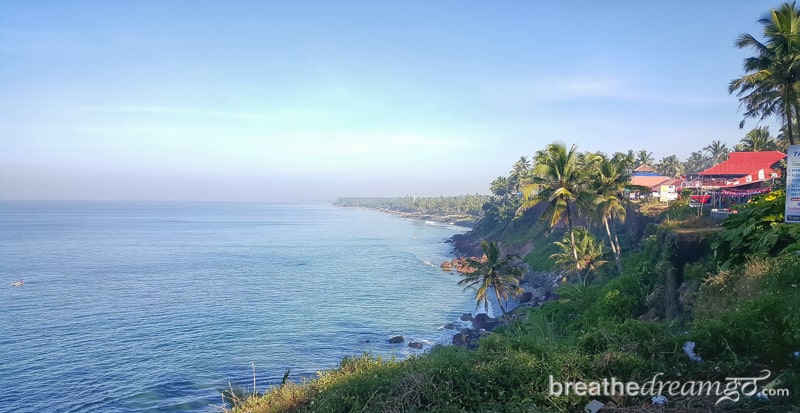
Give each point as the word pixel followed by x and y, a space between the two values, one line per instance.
pixel 646 177
pixel 743 171
pixel 736 180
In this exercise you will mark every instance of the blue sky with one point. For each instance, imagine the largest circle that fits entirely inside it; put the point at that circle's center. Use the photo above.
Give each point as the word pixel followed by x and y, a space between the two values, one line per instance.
pixel 273 101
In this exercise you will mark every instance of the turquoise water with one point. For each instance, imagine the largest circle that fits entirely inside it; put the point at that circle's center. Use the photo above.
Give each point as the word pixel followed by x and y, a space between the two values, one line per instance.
pixel 133 307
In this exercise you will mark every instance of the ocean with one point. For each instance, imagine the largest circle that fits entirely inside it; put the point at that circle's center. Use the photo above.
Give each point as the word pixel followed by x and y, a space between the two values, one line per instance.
pixel 142 307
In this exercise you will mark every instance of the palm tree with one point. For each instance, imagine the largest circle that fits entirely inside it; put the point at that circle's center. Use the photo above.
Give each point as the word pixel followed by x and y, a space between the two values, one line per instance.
pixel 589 253
pixel 627 161
pixel 758 140
pixel 558 180
pixel 696 163
pixel 769 86
pixel 644 158
pixel 500 186
pixel 608 183
pixel 717 151
pixel 493 273
pixel 519 173
pixel 670 166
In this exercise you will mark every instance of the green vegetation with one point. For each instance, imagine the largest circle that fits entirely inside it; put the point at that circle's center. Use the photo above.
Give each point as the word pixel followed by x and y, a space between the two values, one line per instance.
pixel 493 274
pixel 464 207
pixel 744 319
pixel 732 290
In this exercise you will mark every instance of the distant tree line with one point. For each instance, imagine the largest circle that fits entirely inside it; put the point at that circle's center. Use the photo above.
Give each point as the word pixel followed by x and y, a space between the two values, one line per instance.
pixel 463 205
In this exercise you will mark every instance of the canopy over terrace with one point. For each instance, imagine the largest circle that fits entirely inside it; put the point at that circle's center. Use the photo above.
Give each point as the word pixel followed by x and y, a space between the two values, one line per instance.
pixel 743 170
pixel 742 176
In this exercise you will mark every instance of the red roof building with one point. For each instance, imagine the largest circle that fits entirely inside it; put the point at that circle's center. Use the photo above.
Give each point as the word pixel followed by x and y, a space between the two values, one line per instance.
pixel 743 169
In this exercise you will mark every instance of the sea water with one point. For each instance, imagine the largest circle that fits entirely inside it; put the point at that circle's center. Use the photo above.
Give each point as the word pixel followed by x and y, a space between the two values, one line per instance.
pixel 134 307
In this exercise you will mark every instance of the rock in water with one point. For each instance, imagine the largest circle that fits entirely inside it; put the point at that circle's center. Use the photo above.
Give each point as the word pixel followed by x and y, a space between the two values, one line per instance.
pixel 396 339
pixel 415 344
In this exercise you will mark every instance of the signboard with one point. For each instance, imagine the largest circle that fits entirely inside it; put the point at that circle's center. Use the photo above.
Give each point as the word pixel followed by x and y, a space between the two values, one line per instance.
pixel 664 193
pixel 792 212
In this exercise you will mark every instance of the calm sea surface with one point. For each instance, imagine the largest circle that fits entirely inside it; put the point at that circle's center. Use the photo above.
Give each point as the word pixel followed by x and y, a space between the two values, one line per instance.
pixel 134 307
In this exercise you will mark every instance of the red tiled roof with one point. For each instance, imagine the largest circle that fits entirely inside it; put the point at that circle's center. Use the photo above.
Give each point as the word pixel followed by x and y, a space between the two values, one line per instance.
pixel 648 181
pixel 644 168
pixel 745 163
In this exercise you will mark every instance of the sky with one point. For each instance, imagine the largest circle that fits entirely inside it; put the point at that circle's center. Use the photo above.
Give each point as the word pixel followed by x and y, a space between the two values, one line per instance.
pixel 312 100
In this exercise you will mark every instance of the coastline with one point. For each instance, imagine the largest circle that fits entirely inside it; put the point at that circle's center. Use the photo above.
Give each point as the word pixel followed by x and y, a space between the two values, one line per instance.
pixel 460 220
pixel 539 287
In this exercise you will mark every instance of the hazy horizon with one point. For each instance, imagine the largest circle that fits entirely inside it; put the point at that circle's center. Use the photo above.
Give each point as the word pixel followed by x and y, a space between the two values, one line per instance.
pixel 252 101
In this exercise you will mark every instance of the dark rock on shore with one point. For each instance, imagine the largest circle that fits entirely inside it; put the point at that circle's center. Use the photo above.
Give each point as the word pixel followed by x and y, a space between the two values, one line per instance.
pixel 468 338
pixel 396 340
pixel 481 321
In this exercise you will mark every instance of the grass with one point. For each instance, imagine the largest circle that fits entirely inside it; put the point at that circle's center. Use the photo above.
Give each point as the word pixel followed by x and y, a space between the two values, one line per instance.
pixel 743 319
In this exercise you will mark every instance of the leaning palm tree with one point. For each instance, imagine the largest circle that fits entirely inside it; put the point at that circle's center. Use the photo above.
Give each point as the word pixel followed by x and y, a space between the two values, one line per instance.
pixel 493 273
pixel 758 140
pixel 557 179
pixel 608 182
pixel 770 84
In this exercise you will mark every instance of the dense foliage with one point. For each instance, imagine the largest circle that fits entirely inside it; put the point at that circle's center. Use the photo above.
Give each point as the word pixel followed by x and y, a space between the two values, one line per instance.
pixel 470 206
pixel 757 230
pixel 744 319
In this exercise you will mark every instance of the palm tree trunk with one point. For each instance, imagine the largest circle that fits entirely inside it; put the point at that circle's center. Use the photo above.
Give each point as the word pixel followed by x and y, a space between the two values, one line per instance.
pixel 618 258
pixel 787 113
pixel 572 238
pixel 614 247
pixel 500 304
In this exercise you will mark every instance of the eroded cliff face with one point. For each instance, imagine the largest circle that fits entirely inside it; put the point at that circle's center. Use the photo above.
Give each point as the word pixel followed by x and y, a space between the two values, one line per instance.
pixel 671 295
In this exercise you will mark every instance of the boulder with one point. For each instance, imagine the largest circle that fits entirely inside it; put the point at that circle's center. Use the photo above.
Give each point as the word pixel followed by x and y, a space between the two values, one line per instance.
pixel 467 338
pixel 415 344
pixel 396 339
pixel 484 322
pixel 447 266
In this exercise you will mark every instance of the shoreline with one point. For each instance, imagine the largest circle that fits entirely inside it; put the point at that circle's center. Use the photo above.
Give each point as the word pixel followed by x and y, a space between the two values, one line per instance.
pixel 460 220
pixel 539 287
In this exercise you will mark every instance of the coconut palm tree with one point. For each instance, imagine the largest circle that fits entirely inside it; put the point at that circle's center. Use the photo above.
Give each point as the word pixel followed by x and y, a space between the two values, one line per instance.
pixel 493 273
pixel 717 152
pixel 696 163
pixel 626 161
pixel 758 140
pixel 589 253
pixel 670 166
pixel 500 186
pixel 608 182
pixel 644 158
pixel 519 173
pixel 558 180
pixel 770 84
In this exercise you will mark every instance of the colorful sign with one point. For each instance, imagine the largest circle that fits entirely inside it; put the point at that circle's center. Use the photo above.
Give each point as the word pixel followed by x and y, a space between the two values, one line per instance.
pixel 792 212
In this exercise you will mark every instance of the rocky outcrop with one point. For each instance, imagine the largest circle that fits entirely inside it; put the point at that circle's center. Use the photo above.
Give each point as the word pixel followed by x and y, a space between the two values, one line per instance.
pixel 468 338
pixel 415 345
pixel 481 321
pixel 462 264
pixel 396 340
